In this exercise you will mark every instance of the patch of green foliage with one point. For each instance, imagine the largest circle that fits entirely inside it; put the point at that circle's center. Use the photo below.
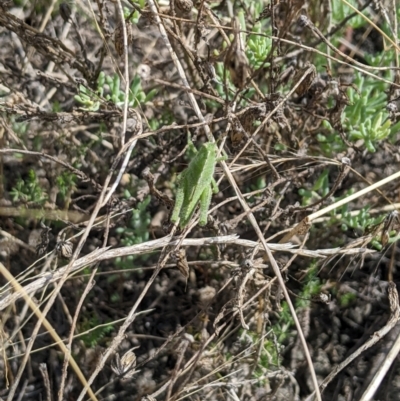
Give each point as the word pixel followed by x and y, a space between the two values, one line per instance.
pixel 365 118
pixel 347 299
pixel 360 221
pixel 258 47
pixel 318 190
pixel 29 190
pixel 109 90
pixel 95 332
pixel 340 11
pixel 66 183
pixel 135 232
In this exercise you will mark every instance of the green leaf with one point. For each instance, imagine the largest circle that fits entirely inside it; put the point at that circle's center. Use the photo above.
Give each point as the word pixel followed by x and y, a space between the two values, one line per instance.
pixel 149 97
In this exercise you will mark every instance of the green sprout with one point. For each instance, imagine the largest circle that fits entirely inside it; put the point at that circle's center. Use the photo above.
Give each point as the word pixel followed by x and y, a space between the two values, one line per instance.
pixel 258 48
pixel 318 190
pixel 366 118
pixel 66 183
pixel 28 190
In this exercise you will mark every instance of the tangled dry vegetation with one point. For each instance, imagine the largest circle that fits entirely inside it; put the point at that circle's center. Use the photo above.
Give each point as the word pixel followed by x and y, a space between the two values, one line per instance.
pixel 289 291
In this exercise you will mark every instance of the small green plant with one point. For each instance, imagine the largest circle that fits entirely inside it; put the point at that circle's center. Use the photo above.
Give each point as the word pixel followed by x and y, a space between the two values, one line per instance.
pixel 253 7
pixel 89 100
pixel 66 183
pixel 130 16
pixel 28 190
pixel 366 117
pixel 340 11
pixel 135 232
pixel 20 128
pixel 282 330
pixel 109 90
pixel 91 324
pixel 140 3
pixel 137 95
pixel 372 131
pixel 311 287
pixel 258 48
pixel 318 190
pixel 361 221
pixel 346 299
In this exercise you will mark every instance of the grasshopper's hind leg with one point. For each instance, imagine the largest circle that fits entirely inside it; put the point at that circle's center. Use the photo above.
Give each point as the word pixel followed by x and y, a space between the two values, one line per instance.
pixel 205 201
pixel 180 194
pixel 214 186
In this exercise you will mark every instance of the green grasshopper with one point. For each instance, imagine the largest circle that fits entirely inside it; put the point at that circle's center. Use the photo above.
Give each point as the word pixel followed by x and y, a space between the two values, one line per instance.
pixel 196 185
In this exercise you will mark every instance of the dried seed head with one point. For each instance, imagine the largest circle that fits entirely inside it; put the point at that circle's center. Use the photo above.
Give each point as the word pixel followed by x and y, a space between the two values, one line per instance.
pixel 119 39
pixel 210 70
pixel 129 32
pixel 321 298
pixel 64 249
pixel 125 366
pixel 202 30
pixel 253 114
pixel 237 133
pixel 391 222
pixel 247 264
pixel 303 21
pixel 346 161
pixel 391 107
pixel 183 7
pixel 182 263
pixel 119 36
pixel 206 294
pixel 44 240
pixel 307 81
pixel 143 71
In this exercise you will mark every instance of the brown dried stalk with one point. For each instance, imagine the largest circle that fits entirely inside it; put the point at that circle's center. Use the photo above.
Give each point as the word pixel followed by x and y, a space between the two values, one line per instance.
pixel 236 60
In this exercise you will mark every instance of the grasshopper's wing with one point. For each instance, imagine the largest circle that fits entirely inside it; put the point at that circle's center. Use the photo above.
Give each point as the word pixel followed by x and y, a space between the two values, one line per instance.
pixel 203 171
pixel 198 177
